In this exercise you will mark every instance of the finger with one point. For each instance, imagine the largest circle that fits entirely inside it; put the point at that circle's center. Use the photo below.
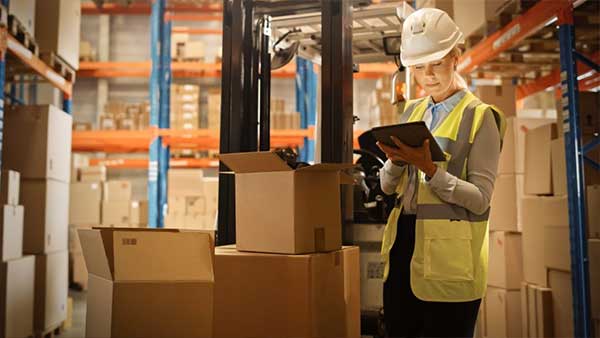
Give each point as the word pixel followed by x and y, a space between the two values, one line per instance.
pixel 397 142
pixel 425 143
pixel 389 151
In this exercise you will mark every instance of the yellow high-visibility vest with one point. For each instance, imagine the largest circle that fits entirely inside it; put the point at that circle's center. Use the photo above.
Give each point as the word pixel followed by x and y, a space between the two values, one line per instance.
pixel 450 259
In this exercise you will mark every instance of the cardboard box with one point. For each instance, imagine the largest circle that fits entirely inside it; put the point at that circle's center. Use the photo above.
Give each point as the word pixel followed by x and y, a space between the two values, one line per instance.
pixel 503 312
pixel 557 247
pixel 37 141
pixel 593 201
pixel 527 323
pixel 24 10
pixel 85 200
pixel 58 28
pixel 502 96
pixel 589 121
pixel 538 212
pixel 51 288
pixel 371 280
pixel 512 157
pixel 12 232
pixel 74 242
pixel 17 290
pixel 562 302
pixel 594 268
pixel 282 210
pixel 46 217
pixel 559 167
pixel 175 220
pixel 309 295
pixel 537 311
pixel 93 174
pixel 116 213
pixel 78 270
pixel 506 210
pixel 538 160
pixel 10 183
pixel 117 191
pixel 148 282
pixel 505 260
pixel 185 182
pixel 138 213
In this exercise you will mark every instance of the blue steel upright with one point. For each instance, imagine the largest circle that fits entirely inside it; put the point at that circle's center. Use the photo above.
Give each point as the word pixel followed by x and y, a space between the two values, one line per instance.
pixel 164 118
pixel 306 104
pixel 575 178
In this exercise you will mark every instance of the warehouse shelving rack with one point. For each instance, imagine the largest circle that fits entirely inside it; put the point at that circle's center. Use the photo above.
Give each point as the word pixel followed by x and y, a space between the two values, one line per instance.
pixel 565 80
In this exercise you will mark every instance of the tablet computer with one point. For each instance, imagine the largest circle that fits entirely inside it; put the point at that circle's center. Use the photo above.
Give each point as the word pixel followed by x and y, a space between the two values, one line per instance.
pixel 412 134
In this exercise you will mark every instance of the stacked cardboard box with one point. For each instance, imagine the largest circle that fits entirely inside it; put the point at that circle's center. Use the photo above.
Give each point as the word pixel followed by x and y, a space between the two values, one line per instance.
pixel 214 109
pixel 281 118
pixel 193 200
pixel 502 96
pixel 383 112
pixel 38 145
pixel 185 49
pixel 288 227
pixel 57 29
pixel 16 271
pixel 124 116
pixel 185 107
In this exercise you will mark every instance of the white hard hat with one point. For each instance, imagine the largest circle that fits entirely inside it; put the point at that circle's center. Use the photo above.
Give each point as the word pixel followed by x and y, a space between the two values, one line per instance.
pixel 428 35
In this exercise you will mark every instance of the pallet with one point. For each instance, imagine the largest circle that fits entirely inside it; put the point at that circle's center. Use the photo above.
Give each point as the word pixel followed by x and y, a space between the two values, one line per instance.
pixel 50 333
pixel 16 29
pixel 61 67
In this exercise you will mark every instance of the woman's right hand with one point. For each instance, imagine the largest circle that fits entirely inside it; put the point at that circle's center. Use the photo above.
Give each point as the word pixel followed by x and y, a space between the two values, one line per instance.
pixel 393 154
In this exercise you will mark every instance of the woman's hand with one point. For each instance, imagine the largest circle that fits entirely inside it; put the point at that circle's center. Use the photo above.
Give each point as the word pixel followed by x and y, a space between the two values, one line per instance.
pixel 420 157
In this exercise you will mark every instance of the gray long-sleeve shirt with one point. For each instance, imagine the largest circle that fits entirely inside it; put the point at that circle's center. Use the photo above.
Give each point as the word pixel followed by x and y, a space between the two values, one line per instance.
pixel 475 193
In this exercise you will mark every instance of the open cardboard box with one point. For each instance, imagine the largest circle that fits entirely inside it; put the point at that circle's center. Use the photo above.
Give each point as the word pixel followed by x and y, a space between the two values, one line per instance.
pixel 148 282
pixel 282 210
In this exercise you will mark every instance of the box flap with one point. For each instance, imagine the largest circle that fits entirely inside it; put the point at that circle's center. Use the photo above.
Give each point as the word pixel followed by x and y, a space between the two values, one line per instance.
pixel 94 252
pixel 252 162
pixel 326 167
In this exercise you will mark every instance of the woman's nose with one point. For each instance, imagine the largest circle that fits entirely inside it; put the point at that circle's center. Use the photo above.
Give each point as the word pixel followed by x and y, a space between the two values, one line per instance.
pixel 429 70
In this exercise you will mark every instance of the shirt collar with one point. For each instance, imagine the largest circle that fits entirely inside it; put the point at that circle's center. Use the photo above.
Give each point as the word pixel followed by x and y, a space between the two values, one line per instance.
pixel 448 104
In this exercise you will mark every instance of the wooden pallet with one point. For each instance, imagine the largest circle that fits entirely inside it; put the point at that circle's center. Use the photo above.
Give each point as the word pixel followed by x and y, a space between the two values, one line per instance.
pixel 61 67
pixel 17 29
pixel 50 333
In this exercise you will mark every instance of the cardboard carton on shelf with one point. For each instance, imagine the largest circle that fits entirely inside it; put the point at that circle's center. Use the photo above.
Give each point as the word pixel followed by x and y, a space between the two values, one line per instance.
pixel 116 213
pixel 148 282
pixel 538 160
pixel 85 201
pixel 24 11
pixel 138 213
pixel 308 295
pixel 117 191
pixel 17 292
pixel 12 232
pixel 512 157
pixel 58 28
pixel 562 302
pixel 503 312
pixel 37 142
pixel 46 217
pixel 185 182
pixel 505 207
pixel 589 121
pixel 10 183
pixel 78 161
pixel 503 96
pixel 51 288
pixel 282 210
pixel 505 260
pixel 92 174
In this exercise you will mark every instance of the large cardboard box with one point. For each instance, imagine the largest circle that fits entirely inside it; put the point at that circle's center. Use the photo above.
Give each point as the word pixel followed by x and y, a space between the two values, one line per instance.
pixel 37 141
pixel 85 200
pixel 282 210
pixel 503 312
pixel 310 295
pixel 512 157
pixel 116 213
pixel 93 174
pixel 58 25
pixel 505 207
pixel 502 96
pixel 559 167
pixel 148 282
pixel 117 191
pixel 593 201
pixel 24 10
pixel 185 182
pixel 557 247
pixel 505 260
pixel 594 268
pixel 11 232
pixel 46 223
pixel 9 185
pixel 538 212
pixel 562 302
pixel 16 296
pixel 538 160
pixel 138 213
pixel 51 288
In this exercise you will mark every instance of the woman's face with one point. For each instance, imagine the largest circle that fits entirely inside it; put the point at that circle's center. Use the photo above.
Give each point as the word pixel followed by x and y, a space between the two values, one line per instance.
pixel 437 77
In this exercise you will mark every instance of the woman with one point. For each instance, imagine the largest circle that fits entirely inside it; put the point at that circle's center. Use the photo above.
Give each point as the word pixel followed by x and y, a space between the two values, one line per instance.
pixel 435 244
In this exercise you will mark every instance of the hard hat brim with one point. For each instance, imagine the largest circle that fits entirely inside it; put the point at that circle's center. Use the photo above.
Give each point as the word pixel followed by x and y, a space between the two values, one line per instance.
pixel 408 61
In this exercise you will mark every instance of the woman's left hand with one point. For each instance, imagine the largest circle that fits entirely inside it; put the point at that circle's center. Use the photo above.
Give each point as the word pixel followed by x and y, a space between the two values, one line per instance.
pixel 420 157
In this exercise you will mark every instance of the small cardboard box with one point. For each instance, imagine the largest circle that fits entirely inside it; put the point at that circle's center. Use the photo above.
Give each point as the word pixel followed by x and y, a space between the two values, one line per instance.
pixel 148 282
pixel 16 293
pixel 308 295
pixel 93 174
pixel 562 302
pixel 505 260
pixel 281 210
pixel 505 207
pixel 116 213
pixel 512 157
pixel 9 185
pixel 538 160
pixel 51 288
pixel 593 201
pixel 117 191
pixel 46 223
pixel 557 247
pixel 37 142
pixel 84 208
pixel 12 232
pixel 185 182
pixel 138 213
pixel 503 312
pixel 58 26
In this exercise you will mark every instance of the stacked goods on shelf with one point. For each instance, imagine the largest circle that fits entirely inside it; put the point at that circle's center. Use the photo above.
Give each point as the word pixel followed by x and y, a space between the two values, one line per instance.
pixel 24 12
pixel 37 143
pixel 87 52
pixel 185 107
pixel 503 97
pixel 124 116
pixel 184 49
pixel 288 227
pixel 192 200
pixel 149 283
pixel 214 109
pixel 116 203
pixel 57 29
pixel 16 270
pixel 383 112
pixel 282 119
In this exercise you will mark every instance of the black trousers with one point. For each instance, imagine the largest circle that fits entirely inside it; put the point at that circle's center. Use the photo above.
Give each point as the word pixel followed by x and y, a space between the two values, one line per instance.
pixel 407 316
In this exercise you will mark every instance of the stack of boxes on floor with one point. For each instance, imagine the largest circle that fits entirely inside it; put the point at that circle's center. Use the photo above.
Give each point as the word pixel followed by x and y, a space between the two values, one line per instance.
pixel 192 200
pixel 16 270
pixel 37 143
pixel 288 264
pixel 124 116
pixel 282 119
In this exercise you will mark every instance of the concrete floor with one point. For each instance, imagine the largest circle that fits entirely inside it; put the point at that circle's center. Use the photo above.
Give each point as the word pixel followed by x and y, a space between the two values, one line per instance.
pixel 78 328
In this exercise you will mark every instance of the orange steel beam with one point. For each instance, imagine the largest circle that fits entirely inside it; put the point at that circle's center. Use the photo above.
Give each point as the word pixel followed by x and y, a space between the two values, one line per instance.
pixel 196 31
pixel 142 163
pixel 193 17
pixel 517 30
pixel 143 8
